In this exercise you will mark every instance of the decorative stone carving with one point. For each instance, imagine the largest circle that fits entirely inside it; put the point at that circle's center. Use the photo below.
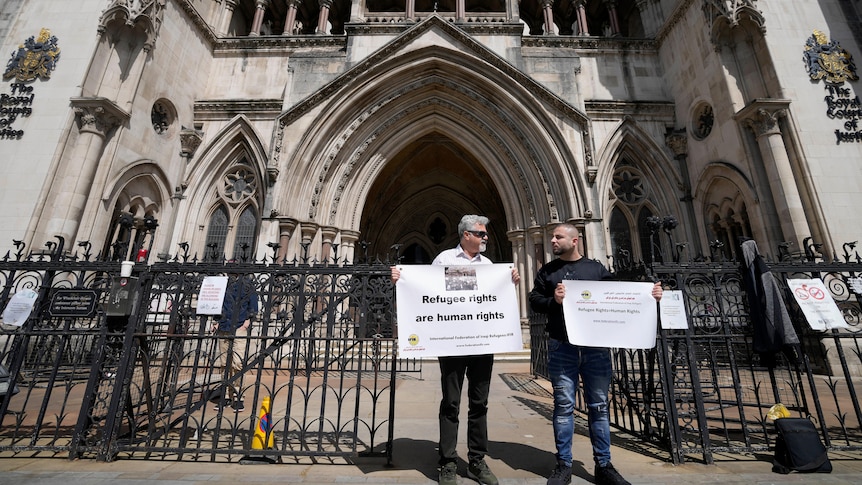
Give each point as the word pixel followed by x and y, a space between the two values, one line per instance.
pixel 702 121
pixel 190 140
pixel 97 115
pixel 677 142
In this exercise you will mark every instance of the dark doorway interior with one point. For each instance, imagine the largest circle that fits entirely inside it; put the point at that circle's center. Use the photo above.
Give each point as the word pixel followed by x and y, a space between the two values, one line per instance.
pixel 421 194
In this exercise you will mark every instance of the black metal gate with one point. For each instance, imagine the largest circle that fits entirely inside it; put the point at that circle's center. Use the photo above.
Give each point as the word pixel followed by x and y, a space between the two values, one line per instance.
pixel 704 390
pixel 320 357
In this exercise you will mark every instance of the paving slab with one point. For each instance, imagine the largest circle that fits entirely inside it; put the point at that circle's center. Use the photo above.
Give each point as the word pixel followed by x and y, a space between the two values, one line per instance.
pixel 521 452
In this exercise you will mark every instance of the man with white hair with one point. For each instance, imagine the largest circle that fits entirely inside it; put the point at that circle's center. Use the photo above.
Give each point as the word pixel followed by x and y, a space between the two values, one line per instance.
pixel 477 368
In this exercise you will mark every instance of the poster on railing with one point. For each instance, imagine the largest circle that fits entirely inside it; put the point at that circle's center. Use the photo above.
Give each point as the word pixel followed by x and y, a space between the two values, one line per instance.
pixel 610 314
pixel 20 306
pixel 672 311
pixel 816 304
pixel 457 310
pixel 211 296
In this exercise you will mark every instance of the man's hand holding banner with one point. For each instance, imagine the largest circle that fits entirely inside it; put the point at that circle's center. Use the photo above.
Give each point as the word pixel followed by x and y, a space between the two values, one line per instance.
pixel 457 310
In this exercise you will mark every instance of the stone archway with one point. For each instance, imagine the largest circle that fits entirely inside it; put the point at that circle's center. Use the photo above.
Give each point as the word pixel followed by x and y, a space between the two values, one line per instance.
pixel 421 194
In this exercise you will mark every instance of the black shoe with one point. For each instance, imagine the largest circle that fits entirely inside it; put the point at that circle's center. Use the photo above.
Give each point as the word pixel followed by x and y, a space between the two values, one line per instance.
pixel 479 471
pixel 448 474
pixel 608 475
pixel 221 404
pixel 562 474
pixel 238 405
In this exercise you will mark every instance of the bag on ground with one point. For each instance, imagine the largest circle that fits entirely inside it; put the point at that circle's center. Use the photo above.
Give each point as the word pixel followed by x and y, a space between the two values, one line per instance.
pixel 798 447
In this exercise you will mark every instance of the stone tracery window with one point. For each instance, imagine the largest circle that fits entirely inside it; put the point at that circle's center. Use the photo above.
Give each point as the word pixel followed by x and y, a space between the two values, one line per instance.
pixel 628 185
pixel 239 183
pixel 233 223
pixel 629 233
pixel 702 121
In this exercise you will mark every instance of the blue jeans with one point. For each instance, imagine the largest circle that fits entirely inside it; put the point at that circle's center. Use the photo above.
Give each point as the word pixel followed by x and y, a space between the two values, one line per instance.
pixel 566 363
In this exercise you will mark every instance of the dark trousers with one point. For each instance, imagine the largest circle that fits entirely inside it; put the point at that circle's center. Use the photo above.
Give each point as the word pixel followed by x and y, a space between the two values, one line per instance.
pixel 477 368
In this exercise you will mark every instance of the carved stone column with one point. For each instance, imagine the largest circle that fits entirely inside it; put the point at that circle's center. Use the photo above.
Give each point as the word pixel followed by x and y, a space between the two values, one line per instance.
pixel 677 141
pixel 190 140
pixel 290 19
pixel 614 18
pixel 226 16
pixel 761 117
pixel 517 238
pixel 348 245
pixel 286 227
pixel 410 10
pixel 460 10
pixel 535 250
pixel 96 119
pixel 325 6
pixel 548 13
pixel 259 11
pixel 308 231
pixel 582 17
pixel 327 234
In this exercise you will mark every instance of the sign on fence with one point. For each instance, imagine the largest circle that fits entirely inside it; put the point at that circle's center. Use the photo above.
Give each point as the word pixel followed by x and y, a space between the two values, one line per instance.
pixel 73 303
pixel 816 304
pixel 20 306
pixel 211 295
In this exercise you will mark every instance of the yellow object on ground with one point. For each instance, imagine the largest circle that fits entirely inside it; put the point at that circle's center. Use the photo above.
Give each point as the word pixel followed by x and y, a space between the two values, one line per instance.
pixel 778 411
pixel 263 430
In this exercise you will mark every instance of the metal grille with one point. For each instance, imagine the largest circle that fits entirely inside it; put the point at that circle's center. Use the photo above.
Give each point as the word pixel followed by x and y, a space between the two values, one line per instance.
pixel 704 390
pixel 151 384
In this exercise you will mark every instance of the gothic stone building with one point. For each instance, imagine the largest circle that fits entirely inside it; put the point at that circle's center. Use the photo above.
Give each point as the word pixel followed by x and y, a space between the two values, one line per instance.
pixel 245 128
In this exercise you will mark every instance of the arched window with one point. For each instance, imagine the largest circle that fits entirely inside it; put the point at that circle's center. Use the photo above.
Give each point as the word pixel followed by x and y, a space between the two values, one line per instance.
pixel 132 227
pixel 217 233
pixel 650 246
pixel 233 223
pixel 629 231
pixel 246 229
pixel 621 237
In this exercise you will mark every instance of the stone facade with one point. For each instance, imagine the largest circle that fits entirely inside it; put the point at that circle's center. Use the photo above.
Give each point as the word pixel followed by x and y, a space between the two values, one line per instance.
pixel 238 125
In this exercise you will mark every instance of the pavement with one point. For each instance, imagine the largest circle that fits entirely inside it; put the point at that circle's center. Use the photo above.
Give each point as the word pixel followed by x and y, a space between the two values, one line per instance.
pixel 521 451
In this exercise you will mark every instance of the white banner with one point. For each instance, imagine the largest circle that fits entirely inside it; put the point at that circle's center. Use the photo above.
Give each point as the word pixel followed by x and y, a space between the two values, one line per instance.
pixel 610 314
pixel 457 310
pixel 817 304
pixel 211 295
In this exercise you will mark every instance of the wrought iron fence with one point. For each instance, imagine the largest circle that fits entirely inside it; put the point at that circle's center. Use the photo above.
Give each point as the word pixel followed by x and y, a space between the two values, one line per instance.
pixel 704 390
pixel 110 367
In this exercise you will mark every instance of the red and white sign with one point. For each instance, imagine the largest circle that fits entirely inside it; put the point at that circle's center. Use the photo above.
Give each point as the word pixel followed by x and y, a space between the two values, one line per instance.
pixel 816 304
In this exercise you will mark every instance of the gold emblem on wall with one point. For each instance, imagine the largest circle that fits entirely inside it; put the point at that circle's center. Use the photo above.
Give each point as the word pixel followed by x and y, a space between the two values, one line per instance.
pixel 35 58
pixel 825 59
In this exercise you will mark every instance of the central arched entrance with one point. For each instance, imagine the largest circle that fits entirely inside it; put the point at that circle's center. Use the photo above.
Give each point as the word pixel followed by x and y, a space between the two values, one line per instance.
pixel 421 194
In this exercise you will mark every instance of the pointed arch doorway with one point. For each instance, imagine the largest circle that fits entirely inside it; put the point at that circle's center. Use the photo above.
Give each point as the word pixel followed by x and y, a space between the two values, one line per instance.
pixel 419 197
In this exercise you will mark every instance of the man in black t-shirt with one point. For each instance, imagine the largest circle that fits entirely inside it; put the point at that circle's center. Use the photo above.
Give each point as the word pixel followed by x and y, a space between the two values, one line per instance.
pixel 567 363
